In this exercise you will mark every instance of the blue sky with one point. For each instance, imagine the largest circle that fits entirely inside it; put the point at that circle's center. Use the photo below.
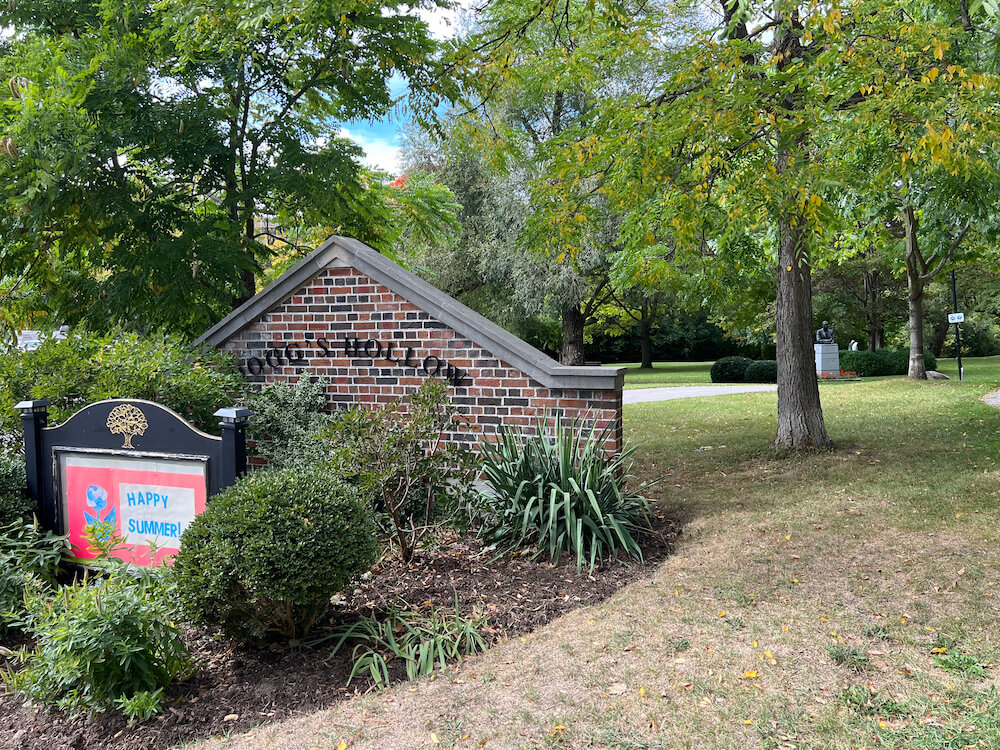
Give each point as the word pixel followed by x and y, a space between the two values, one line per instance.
pixel 381 139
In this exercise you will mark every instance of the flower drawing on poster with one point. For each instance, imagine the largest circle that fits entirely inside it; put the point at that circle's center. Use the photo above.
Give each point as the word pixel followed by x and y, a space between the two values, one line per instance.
pixel 97 500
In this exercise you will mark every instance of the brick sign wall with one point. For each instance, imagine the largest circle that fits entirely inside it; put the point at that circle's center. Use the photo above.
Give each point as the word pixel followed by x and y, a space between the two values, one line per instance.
pixel 376 332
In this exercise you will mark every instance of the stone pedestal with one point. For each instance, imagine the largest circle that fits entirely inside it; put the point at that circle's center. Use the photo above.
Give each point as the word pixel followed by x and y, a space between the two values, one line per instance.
pixel 827 360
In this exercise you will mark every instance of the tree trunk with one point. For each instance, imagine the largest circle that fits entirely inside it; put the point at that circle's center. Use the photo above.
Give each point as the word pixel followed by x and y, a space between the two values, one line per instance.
pixel 915 297
pixel 873 313
pixel 800 416
pixel 645 339
pixel 941 329
pixel 572 333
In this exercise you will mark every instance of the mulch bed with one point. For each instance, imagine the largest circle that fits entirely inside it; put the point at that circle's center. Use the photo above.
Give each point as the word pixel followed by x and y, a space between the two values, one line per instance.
pixel 258 686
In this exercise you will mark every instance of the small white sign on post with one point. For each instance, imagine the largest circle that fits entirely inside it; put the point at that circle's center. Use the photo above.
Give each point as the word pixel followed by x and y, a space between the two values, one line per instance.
pixel 956 317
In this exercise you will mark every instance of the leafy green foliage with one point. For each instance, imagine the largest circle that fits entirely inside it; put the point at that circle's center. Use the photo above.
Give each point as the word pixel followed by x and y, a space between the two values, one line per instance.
pixel 268 553
pixel 730 369
pixel 89 367
pixel 421 642
pixel 881 362
pixel 29 562
pixel 15 503
pixel 288 422
pixel 101 643
pixel 559 490
pixel 762 371
pixel 399 456
pixel 143 141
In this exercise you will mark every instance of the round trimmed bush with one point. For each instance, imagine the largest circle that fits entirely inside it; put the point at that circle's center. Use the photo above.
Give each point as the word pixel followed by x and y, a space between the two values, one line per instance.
pixel 15 504
pixel 268 553
pixel 762 371
pixel 730 369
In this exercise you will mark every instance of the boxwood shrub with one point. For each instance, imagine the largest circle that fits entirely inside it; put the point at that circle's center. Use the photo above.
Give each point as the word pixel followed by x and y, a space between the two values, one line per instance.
pixel 268 553
pixel 730 369
pixel 762 371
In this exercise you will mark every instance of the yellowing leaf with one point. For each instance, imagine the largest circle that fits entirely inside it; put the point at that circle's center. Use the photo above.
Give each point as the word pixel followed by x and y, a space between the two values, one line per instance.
pixel 750 674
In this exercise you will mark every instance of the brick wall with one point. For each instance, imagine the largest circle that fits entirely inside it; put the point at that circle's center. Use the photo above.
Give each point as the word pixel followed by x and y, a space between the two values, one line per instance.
pixel 330 327
pixel 330 319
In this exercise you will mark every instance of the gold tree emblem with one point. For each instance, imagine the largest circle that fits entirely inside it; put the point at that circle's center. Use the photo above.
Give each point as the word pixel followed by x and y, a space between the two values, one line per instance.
pixel 127 420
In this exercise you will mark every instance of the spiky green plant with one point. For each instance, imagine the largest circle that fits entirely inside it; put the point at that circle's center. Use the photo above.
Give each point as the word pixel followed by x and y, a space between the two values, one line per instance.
pixel 421 642
pixel 561 491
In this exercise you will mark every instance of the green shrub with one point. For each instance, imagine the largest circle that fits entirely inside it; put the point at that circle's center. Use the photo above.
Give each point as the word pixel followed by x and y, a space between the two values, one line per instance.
pixel 88 367
pixel 101 643
pixel 730 369
pixel 399 456
pixel 15 503
pixel 559 490
pixel 762 371
pixel 419 641
pixel 881 362
pixel 288 422
pixel 268 553
pixel 29 561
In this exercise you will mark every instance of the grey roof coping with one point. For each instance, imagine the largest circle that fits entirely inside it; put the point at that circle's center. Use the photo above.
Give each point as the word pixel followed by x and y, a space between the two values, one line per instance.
pixel 346 252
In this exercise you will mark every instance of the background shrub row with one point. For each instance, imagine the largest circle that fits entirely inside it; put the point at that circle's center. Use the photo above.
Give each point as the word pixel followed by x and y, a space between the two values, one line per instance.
pixel 880 363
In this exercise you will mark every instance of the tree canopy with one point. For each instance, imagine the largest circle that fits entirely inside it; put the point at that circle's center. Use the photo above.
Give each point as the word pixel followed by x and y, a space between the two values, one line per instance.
pixel 143 142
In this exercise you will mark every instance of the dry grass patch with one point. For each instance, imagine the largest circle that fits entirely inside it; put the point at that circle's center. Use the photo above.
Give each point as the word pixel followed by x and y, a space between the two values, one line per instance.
pixel 845 600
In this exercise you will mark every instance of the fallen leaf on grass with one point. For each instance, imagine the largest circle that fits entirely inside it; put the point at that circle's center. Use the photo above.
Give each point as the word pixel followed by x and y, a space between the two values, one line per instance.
pixel 617 689
pixel 556 730
pixel 750 674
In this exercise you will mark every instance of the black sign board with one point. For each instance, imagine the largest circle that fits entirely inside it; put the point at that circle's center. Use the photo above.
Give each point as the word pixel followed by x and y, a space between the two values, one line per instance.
pixel 135 466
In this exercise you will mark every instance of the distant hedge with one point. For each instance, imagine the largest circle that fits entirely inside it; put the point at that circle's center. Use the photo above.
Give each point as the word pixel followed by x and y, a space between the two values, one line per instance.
pixel 881 362
pixel 762 371
pixel 730 370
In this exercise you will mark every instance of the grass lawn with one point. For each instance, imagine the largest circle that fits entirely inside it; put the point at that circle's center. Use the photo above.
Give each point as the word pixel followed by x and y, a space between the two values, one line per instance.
pixel 839 600
pixel 977 370
pixel 667 373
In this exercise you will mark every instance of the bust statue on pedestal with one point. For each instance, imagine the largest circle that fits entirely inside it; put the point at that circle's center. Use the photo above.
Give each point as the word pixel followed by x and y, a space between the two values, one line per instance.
pixel 827 353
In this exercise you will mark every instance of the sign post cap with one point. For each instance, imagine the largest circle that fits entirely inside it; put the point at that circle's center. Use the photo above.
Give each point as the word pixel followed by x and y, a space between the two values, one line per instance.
pixel 30 406
pixel 233 414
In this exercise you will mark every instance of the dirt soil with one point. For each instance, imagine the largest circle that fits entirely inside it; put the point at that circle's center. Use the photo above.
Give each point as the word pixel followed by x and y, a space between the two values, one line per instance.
pixel 236 689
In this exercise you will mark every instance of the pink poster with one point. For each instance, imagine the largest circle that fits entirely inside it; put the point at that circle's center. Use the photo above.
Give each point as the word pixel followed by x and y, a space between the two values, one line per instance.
pixel 147 501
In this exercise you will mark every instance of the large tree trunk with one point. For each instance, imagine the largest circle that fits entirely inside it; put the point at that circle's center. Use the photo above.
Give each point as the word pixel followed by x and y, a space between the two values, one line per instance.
pixel 572 331
pixel 915 297
pixel 800 416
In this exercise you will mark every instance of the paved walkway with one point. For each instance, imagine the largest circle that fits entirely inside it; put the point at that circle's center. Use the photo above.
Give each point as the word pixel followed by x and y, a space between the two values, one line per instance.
pixel 638 395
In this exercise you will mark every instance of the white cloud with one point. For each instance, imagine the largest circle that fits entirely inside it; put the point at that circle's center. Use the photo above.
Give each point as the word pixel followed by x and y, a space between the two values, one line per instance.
pixel 444 23
pixel 379 152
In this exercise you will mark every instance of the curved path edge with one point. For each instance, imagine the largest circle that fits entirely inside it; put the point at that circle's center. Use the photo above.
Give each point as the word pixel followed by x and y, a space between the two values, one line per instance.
pixel 640 395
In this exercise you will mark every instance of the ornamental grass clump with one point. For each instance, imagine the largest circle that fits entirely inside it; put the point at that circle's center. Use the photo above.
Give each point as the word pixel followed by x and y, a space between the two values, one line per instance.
pixel 560 491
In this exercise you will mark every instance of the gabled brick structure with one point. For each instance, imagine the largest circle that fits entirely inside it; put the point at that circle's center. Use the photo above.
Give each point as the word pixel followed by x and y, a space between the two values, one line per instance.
pixel 376 332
